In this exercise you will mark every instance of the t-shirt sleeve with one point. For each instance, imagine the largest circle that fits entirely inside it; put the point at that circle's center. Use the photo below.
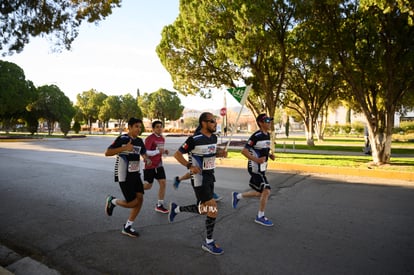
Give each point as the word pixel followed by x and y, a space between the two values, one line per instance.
pixel 117 142
pixel 250 143
pixel 148 142
pixel 187 146
pixel 143 149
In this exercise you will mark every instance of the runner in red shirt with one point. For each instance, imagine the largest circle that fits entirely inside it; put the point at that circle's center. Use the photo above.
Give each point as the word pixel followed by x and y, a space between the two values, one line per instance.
pixel 154 144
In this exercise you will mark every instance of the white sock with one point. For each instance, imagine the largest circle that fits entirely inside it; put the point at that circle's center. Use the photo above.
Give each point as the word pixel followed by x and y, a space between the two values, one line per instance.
pixel 177 209
pixel 129 223
pixel 208 241
pixel 239 196
pixel 260 214
pixel 114 201
pixel 160 202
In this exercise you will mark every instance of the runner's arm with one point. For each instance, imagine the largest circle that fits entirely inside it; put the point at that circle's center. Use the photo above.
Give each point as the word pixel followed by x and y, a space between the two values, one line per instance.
pixel 245 152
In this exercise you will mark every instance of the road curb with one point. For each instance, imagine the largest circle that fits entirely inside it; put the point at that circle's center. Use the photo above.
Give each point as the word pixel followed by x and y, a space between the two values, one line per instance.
pixel 13 263
pixel 318 169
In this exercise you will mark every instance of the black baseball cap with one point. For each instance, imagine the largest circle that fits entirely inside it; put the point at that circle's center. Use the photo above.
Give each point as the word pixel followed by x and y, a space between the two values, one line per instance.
pixel 263 118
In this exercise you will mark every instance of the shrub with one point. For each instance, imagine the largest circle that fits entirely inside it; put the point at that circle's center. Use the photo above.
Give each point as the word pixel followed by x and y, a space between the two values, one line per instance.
pixel 358 128
pixel 346 128
pixel 76 127
pixel 407 127
pixel 64 126
pixel 32 124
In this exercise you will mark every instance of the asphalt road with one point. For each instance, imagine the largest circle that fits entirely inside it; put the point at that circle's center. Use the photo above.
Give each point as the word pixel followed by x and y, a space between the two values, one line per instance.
pixel 52 209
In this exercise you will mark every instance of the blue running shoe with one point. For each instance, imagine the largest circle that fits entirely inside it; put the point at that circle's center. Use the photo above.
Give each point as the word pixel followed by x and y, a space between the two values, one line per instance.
pixel 176 182
pixel 234 199
pixel 217 197
pixel 263 221
pixel 212 248
pixel 172 213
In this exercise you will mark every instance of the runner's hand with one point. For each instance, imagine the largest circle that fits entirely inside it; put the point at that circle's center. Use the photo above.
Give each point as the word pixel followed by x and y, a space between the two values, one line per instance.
pixel 128 146
pixel 261 160
pixel 195 170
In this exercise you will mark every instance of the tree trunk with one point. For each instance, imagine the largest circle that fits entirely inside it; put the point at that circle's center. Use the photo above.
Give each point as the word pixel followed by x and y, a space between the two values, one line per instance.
pixel 120 126
pixel 90 126
pixel 309 133
pixel 381 151
pixel 49 127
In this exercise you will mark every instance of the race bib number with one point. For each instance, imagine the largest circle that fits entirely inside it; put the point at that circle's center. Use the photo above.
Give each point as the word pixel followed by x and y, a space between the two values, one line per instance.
pixel 263 166
pixel 209 163
pixel 133 166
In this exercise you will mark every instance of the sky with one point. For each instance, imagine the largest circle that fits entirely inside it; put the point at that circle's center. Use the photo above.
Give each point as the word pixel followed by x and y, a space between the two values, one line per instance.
pixel 115 57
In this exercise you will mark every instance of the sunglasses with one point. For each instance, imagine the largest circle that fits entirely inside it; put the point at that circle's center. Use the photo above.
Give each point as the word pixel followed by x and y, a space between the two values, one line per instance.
pixel 267 120
pixel 211 121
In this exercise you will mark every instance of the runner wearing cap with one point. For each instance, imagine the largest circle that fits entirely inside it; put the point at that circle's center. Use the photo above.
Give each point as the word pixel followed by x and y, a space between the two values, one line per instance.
pixel 257 151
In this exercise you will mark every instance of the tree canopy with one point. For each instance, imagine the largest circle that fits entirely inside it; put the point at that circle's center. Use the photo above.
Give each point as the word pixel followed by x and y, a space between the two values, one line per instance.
pixel 367 46
pixel 89 103
pixel 15 91
pixel 373 51
pixel 228 44
pixel 53 106
pixel 162 104
pixel 58 19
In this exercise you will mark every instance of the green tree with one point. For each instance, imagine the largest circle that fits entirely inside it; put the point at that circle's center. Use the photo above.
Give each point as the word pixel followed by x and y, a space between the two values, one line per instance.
pixel 76 127
pixel 113 103
pixel 64 123
pixel 53 106
pixel 15 93
pixel 110 109
pixel 128 108
pixel 406 7
pixel 191 122
pixel 32 121
pixel 226 43
pixel 89 102
pixel 61 19
pixel 372 46
pixel 162 105
pixel 311 80
pixel 78 118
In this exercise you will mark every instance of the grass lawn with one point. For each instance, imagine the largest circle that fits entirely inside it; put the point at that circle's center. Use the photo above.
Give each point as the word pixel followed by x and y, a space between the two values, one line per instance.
pixel 397 163
pixel 404 151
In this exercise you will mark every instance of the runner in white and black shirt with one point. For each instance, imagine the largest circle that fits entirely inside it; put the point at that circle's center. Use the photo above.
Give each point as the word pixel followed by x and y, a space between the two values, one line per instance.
pixel 257 151
pixel 202 150
pixel 128 148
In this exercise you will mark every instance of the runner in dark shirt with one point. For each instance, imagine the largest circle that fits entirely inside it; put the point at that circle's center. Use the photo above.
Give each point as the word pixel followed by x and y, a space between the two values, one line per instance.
pixel 257 151
pixel 202 150
pixel 128 148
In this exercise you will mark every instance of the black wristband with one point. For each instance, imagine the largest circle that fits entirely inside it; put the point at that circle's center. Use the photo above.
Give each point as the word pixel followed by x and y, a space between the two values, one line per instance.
pixel 189 165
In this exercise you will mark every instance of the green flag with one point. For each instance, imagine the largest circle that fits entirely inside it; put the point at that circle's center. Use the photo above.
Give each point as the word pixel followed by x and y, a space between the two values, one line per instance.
pixel 240 93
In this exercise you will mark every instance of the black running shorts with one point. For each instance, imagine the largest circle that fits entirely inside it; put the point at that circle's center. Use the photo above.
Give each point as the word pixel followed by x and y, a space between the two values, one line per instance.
pixel 132 186
pixel 206 190
pixel 258 182
pixel 154 173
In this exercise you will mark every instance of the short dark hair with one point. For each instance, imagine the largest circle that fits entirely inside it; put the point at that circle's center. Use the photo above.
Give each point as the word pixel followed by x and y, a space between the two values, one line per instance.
pixel 156 122
pixel 134 120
